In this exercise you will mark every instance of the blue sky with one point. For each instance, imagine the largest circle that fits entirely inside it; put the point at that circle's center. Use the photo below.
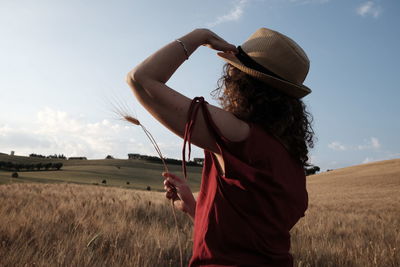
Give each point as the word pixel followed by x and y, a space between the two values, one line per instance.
pixel 63 63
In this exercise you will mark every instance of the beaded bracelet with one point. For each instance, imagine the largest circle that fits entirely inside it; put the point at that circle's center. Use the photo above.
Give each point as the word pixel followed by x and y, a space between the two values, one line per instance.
pixel 184 48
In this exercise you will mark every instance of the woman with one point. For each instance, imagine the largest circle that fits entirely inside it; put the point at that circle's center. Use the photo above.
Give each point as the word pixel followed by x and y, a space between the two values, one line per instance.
pixel 253 187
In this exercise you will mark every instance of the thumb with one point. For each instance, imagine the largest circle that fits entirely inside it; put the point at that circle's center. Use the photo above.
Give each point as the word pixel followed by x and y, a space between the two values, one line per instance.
pixel 173 176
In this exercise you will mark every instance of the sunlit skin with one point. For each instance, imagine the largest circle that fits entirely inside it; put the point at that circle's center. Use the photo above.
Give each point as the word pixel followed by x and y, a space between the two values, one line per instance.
pixel 169 107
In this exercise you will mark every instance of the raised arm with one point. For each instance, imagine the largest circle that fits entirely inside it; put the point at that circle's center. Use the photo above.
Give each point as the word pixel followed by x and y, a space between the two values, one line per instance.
pixel 168 106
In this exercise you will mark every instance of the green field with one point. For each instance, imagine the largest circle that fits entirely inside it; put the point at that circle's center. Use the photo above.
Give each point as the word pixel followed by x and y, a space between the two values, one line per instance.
pixel 117 172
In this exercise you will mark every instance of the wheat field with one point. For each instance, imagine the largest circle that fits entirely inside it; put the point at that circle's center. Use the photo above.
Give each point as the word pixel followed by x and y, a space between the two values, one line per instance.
pixel 353 220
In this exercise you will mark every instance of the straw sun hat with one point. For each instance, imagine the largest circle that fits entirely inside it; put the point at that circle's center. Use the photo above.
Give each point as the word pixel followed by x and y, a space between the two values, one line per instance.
pixel 275 59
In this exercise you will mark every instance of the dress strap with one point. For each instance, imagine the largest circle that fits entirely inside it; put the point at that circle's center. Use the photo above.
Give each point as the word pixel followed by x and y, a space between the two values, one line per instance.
pixel 195 105
pixel 191 119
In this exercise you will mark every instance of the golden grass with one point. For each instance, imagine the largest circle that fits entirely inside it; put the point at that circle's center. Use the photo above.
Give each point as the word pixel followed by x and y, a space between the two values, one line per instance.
pixel 353 220
pixel 52 225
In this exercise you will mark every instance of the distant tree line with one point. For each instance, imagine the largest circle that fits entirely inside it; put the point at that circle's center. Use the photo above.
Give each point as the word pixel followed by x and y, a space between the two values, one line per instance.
pixel 12 166
pixel 77 158
pixel 171 161
pixel 55 156
pixel 167 160
pixel 311 170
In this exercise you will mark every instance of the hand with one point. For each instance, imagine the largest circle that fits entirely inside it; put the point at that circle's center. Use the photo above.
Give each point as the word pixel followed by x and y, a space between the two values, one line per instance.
pixel 178 190
pixel 213 41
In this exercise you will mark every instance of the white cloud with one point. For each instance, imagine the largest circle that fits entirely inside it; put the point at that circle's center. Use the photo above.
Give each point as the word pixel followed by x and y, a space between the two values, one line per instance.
pixel 21 137
pixel 367 160
pixel 337 146
pixel 372 143
pixel 56 132
pixel 234 14
pixel 369 8
pixel 309 1
pixel 393 155
pixel 386 155
pixel 375 142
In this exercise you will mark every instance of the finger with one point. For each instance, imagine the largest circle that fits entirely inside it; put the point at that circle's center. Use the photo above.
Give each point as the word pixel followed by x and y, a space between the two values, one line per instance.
pixel 171 189
pixel 174 180
pixel 220 44
pixel 171 195
pixel 175 177
pixel 229 48
pixel 233 48
pixel 168 175
pixel 168 189
pixel 175 197
pixel 168 182
pixel 167 185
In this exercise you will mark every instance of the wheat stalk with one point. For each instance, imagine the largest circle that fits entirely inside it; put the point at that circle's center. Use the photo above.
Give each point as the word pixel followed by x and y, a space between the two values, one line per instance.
pixel 93 239
pixel 121 110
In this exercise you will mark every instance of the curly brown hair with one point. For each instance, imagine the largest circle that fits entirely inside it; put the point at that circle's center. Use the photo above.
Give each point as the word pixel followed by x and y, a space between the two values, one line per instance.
pixel 284 117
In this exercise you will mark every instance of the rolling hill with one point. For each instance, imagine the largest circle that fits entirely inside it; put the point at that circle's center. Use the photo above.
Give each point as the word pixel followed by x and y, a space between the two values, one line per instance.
pixel 116 172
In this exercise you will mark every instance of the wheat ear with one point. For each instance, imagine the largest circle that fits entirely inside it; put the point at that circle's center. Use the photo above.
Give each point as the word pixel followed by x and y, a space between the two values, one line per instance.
pixel 135 121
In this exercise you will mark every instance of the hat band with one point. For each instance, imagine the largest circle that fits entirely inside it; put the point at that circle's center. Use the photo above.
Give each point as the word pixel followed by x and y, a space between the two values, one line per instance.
pixel 250 63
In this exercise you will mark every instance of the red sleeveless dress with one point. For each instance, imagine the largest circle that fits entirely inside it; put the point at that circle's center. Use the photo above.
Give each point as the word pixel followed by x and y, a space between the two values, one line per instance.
pixel 243 217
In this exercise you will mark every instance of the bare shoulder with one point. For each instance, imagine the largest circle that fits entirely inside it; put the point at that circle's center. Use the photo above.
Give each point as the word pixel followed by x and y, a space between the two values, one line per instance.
pixel 229 125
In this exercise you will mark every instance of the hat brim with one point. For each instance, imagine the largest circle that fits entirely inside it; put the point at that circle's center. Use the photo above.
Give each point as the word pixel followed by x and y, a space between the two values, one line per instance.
pixel 286 87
